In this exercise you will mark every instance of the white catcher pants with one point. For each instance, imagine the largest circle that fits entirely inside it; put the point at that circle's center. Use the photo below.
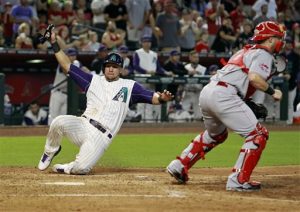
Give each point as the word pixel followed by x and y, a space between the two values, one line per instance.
pixel 79 131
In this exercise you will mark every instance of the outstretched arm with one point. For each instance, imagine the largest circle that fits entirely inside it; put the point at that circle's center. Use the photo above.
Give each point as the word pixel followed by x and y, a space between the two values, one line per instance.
pixel 61 57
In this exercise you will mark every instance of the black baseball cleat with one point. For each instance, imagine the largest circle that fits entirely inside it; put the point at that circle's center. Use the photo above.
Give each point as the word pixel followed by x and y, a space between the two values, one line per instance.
pixel 46 159
pixel 176 169
pixel 248 187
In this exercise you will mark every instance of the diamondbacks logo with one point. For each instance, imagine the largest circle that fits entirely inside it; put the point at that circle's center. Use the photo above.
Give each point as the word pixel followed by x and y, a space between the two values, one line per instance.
pixel 121 95
pixel 113 58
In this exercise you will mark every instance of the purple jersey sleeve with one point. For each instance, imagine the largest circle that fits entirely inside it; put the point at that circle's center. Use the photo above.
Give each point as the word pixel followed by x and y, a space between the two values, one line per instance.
pixel 140 94
pixel 81 78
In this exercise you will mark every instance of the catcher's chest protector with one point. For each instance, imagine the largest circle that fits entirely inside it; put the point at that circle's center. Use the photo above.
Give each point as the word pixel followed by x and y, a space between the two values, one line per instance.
pixel 238 60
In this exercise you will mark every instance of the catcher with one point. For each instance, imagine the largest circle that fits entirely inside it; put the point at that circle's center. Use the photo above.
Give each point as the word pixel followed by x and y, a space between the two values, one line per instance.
pixel 223 106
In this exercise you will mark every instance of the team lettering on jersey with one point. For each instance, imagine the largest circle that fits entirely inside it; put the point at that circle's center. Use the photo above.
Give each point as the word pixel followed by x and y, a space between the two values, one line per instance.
pixel 121 95
pixel 264 67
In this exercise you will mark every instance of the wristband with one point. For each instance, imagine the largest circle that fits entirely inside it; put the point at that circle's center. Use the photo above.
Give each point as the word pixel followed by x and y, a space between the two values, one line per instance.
pixel 270 90
pixel 55 47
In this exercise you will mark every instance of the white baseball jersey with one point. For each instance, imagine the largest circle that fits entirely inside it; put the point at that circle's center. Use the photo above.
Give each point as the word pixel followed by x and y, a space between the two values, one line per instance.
pixel 109 106
pixel 58 97
pixel 147 60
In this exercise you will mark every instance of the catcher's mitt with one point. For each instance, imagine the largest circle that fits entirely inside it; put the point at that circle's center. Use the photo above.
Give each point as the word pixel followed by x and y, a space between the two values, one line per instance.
pixel 259 110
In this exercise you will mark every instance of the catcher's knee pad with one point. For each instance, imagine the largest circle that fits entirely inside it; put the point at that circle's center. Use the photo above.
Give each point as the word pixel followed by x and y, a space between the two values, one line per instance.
pixel 198 148
pixel 221 137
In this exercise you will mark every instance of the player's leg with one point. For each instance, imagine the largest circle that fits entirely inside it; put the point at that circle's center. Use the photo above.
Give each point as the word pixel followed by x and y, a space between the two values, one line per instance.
pixel 215 134
pixel 92 147
pixel 248 158
pixel 66 125
pixel 199 146
pixel 243 121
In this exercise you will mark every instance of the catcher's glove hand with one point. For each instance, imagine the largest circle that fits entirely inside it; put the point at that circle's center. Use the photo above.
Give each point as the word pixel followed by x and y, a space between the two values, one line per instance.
pixel 259 110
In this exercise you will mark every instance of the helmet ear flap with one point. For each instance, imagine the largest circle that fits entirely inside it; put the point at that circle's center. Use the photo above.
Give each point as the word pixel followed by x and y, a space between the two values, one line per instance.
pixel 278 46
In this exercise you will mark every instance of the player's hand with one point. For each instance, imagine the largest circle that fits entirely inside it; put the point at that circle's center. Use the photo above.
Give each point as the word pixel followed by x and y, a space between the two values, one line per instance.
pixel 165 96
pixel 277 95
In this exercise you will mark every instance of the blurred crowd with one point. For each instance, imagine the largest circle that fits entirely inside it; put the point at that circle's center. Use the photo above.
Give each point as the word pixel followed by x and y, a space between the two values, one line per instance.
pixel 141 29
pixel 203 25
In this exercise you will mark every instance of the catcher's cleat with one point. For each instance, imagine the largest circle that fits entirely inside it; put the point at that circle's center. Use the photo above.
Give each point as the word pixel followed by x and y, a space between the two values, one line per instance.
pixel 177 170
pixel 248 187
pixel 46 159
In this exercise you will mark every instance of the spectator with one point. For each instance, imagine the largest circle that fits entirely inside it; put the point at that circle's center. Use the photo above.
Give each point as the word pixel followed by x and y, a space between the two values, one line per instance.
pixel 58 98
pixel 175 66
pixel 292 71
pixel 7 25
pixel 237 16
pixel 55 14
pixel 127 66
pixel 35 115
pixel 93 43
pixel 212 70
pixel 296 37
pixel 23 40
pixel 190 101
pixel 271 11
pixel 116 12
pixel 189 30
pixel 202 44
pixel 80 24
pixel 168 28
pixel 152 29
pixel 225 37
pixel 84 5
pixel 68 13
pixel 214 17
pixel 41 6
pixel 97 63
pixel 113 37
pixel 244 37
pixel 99 21
pixel 230 5
pixel 263 15
pixel 63 37
pixel 138 15
pixel 145 61
pixel 22 13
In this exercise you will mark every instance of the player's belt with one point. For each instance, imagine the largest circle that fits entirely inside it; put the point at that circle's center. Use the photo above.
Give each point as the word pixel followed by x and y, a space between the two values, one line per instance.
pixel 98 126
pixel 221 83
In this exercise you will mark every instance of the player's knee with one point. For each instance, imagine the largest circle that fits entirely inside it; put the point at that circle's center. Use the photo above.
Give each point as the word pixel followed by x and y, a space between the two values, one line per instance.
pixel 80 169
pixel 221 137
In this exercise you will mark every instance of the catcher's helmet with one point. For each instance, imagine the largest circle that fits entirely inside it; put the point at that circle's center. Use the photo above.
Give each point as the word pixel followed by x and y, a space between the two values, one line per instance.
pixel 268 29
pixel 113 58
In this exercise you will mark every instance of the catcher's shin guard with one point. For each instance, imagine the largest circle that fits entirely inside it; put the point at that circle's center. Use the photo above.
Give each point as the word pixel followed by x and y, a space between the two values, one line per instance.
pixel 198 148
pixel 250 153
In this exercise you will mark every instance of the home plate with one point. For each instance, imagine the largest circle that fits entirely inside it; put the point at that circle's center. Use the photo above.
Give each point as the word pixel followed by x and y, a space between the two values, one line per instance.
pixel 65 183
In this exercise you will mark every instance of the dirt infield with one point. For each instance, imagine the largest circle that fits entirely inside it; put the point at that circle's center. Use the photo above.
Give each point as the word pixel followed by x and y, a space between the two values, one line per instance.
pixel 27 189
pixel 114 189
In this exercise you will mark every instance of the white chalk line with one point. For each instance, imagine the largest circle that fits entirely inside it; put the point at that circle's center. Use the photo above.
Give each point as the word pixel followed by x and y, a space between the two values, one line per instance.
pixel 114 195
pixel 65 183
